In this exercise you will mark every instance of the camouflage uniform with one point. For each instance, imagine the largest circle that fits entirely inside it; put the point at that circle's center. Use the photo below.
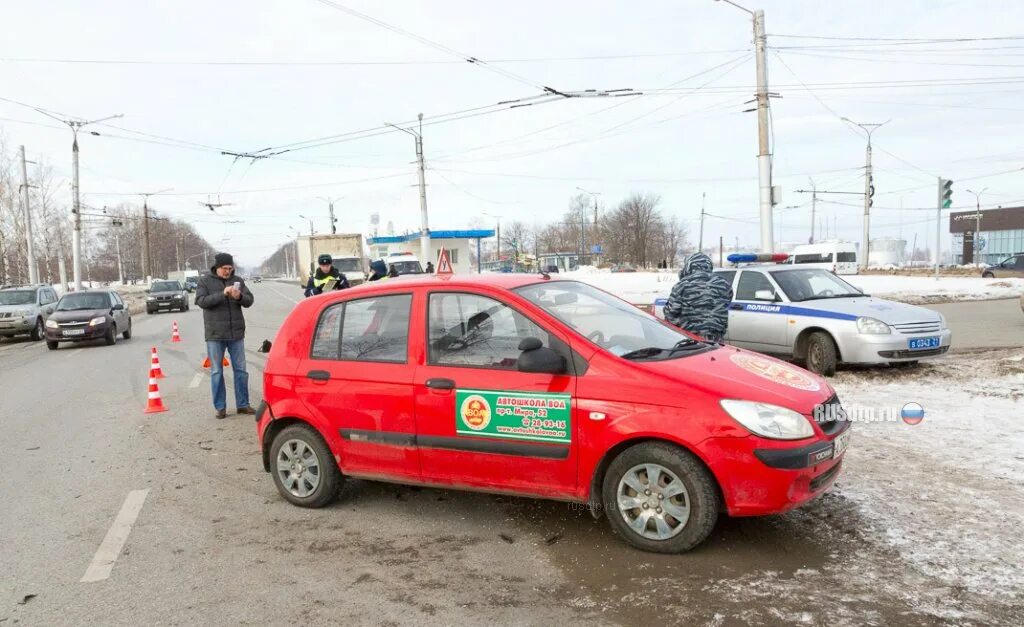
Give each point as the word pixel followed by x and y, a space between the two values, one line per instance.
pixel 699 302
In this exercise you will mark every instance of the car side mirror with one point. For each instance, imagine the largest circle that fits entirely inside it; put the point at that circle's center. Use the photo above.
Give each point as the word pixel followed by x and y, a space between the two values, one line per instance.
pixel 537 358
pixel 117 307
pixel 765 295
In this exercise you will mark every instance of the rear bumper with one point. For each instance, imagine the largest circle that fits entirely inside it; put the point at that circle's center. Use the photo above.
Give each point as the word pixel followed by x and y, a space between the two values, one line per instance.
pixel 760 476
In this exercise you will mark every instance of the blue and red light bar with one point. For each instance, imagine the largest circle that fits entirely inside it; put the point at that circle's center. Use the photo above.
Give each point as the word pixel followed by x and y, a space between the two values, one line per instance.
pixel 757 258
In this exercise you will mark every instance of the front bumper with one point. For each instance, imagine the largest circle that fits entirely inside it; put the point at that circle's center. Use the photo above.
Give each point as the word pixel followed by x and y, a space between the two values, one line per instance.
pixel 153 305
pixel 91 333
pixel 857 348
pixel 760 476
pixel 11 326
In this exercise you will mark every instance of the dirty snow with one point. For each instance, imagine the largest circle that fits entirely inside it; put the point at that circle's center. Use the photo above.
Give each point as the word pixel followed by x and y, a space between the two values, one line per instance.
pixel 644 287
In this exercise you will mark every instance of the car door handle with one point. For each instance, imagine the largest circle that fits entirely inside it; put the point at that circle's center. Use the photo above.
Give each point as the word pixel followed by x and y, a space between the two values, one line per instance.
pixel 319 375
pixel 736 307
pixel 441 384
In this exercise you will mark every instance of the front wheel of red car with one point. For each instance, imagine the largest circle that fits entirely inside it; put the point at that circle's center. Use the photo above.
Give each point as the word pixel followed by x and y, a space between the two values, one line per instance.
pixel 303 468
pixel 660 498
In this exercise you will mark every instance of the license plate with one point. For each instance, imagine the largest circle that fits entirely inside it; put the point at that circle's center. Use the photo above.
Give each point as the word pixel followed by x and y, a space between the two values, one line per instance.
pixel 840 444
pixel 918 343
pixel 74 331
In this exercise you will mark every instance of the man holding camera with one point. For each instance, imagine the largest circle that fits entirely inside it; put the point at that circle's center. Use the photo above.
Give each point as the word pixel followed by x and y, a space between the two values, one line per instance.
pixel 221 295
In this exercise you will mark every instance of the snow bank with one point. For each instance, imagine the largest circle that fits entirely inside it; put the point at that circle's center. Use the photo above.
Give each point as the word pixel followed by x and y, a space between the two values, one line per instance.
pixel 644 287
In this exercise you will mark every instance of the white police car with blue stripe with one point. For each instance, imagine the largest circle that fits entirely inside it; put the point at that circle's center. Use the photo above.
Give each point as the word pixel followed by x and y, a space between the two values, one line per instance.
pixel 812 315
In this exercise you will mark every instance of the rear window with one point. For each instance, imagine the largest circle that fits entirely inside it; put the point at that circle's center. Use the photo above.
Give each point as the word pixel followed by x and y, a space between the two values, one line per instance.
pixel 813 258
pixel 368 329
pixel 846 257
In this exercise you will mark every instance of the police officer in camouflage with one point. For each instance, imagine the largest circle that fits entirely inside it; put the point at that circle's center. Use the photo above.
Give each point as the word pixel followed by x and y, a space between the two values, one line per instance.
pixel 325 272
pixel 699 302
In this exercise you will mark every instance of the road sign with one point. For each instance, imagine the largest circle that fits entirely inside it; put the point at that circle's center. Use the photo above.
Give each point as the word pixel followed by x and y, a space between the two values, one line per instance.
pixel 444 263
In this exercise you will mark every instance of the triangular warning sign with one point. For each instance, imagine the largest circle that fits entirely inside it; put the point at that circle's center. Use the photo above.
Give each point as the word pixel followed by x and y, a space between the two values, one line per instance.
pixel 444 263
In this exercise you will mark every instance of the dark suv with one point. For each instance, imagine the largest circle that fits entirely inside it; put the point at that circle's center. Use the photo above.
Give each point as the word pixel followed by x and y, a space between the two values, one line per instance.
pixel 25 310
pixel 90 315
pixel 165 296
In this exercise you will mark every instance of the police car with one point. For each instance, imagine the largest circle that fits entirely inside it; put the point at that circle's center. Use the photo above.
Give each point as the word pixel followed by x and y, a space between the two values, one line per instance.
pixel 812 315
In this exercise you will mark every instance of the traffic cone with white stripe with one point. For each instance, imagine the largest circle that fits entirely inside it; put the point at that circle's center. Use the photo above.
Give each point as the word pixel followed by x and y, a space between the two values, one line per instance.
pixel 174 333
pixel 154 365
pixel 154 405
pixel 206 363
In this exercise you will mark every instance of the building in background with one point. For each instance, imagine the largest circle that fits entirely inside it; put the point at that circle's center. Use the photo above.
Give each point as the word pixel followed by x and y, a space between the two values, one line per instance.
pixel 1000 233
pixel 463 246
pixel 887 251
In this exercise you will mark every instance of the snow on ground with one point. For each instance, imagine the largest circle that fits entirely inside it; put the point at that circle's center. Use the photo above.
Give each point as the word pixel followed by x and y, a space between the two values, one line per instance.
pixel 946 494
pixel 644 287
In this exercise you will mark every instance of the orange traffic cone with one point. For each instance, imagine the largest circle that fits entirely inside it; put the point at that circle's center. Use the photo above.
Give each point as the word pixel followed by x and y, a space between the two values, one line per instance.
pixel 226 364
pixel 174 333
pixel 154 365
pixel 154 405
pixel 206 363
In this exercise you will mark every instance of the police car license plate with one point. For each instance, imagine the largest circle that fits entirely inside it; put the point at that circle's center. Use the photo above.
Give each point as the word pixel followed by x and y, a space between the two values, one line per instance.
pixel 74 331
pixel 840 444
pixel 919 343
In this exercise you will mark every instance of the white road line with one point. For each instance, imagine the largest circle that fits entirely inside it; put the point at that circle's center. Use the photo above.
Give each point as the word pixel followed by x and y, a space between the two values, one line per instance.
pixel 196 379
pixel 294 300
pixel 75 352
pixel 110 549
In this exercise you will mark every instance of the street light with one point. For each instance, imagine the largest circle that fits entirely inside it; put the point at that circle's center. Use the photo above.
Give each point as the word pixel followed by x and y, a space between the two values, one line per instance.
pixel 420 171
pixel 330 209
pixel 310 224
pixel 977 221
pixel 497 218
pixel 583 222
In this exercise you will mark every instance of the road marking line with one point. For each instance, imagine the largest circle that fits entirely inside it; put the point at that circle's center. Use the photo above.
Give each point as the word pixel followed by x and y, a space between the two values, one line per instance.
pixel 196 378
pixel 294 300
pixel 110 549
pixel 75 352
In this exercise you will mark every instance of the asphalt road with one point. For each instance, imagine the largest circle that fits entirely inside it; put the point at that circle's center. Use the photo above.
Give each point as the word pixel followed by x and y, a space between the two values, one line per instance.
pixel 214 543
pixel 984 323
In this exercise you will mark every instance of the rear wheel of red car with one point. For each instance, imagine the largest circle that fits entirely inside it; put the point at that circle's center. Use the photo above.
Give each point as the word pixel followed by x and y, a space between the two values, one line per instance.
pixel 303 468
pixel 822 355
pixel 660 498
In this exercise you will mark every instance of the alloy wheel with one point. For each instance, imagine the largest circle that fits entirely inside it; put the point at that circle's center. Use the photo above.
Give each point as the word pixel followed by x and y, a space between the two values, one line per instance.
pixel 298 468
pixel 653 501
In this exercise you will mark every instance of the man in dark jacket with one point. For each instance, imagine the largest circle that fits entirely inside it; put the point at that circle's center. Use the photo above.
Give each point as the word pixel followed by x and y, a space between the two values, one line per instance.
pixel 699 302
pixel 378 270
pixel 221 295
pixel 325 273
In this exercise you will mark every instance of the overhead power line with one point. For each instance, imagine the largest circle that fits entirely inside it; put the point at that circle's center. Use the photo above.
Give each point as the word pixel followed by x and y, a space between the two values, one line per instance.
pixel 905 39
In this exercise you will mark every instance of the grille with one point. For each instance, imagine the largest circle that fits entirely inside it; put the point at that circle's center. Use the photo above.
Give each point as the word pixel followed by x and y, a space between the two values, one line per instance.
pixel 5 314
pixel 72 324
pixel 910 328
pixel 906 354
pixel 824 477
pixel 832 410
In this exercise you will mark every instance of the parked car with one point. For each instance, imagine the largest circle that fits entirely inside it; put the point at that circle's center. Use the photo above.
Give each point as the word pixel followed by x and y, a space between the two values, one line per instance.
pixel 838 257
pixel 404 263
pixel 165 296
pixel 520 384
pixel 1009 267
pixel 623 267
pixel 89 315
pixel 257 279
pixel 813 315
pixel 24 310
pixel 191 282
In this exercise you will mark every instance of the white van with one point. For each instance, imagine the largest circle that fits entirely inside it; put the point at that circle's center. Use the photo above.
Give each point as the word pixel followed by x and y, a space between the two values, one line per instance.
pixel 405 263
pixel 839 257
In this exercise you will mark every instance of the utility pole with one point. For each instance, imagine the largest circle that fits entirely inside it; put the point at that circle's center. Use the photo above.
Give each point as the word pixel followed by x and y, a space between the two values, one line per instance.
pixel 177 254
pixel 583 220
pixel 330 210
pixel 977 223
pixel 147 258
pixel 700 240
pixel 814 207
pixel 720 245
pixel 420 171
pixel 33 273
pixel 76 236
pixel 869 189
pixel 287 262
pixel 120 266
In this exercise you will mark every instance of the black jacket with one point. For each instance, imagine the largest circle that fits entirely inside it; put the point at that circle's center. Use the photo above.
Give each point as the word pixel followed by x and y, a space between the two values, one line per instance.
pixel 222 316
pixel 317 277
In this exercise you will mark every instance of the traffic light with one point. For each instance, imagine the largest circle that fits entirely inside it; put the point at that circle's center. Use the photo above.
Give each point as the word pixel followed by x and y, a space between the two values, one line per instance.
pixel 945 193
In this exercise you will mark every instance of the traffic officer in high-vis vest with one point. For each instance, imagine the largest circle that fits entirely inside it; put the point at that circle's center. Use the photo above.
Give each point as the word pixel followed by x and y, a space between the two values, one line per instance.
pixel 325 272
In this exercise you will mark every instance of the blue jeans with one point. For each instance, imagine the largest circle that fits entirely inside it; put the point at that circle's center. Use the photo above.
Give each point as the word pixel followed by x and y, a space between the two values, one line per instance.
pixel 236 354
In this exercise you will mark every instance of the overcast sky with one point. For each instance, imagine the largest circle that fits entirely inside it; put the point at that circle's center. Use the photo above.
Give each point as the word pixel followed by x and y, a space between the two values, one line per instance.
pixel 246 75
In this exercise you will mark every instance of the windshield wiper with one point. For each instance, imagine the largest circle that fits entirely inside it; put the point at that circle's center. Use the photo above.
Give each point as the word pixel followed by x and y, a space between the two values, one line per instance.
pixel 843 296
pixel 640 353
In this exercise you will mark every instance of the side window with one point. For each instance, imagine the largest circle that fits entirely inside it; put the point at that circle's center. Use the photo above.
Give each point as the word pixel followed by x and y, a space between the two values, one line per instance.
pixel 369 329
pixel 751 283
pixel 53 296
pixel 1020 262
pixel 471 330
pixel 728 275
pixel 41 296
pixel 117 298
pixel 453 255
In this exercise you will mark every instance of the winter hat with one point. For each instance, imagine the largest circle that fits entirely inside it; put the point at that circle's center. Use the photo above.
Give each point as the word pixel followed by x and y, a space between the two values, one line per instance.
pixel 222 259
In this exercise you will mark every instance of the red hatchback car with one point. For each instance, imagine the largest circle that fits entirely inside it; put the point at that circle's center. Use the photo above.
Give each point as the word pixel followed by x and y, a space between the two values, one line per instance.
pixel 546 388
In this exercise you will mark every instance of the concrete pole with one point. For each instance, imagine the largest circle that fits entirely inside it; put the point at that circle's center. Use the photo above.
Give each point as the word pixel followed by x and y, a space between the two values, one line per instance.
pixel 866 236
pixel 120 266
pixel 76 234
pixel 330 209
pixel 33 273
pixel 700 238
pixel 938 228
pixel 424 223
pixel 764 157
pixel 147 268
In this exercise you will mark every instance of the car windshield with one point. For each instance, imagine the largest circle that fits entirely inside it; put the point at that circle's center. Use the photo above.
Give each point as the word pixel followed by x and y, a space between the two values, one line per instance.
pixel 812 284
pixel 82 301
pixel 18 297
pixel 347 265
pixel 407 267
pixel 613 324
pixel 166 286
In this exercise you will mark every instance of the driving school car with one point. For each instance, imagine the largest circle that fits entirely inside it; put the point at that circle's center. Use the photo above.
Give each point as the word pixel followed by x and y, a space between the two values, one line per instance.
pixel 813 315
pixel 533 386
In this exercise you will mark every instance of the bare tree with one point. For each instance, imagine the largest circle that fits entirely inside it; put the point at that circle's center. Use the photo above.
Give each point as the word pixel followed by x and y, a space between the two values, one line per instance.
pixel 630 232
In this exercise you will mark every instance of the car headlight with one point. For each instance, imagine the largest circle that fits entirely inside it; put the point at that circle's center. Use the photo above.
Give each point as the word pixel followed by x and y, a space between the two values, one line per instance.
pixel 151 298
pixel 871 326
pixel 51 323
pixel 769 421
pixel 96 321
